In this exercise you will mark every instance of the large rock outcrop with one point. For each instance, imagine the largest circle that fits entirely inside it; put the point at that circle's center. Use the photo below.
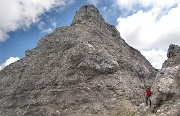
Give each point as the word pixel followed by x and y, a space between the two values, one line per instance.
pixel 79 70
pixel 166 98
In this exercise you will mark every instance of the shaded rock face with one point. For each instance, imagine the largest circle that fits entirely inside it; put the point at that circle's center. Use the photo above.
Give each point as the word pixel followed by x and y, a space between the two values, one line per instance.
pixel 173 56
pixel 82 69
pixel 167 85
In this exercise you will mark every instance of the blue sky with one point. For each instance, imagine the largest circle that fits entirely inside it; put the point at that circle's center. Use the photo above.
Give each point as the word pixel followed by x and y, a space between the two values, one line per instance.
pixel 149 26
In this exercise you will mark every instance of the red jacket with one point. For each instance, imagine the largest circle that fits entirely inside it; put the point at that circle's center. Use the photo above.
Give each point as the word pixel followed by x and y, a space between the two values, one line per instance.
pixel 148 92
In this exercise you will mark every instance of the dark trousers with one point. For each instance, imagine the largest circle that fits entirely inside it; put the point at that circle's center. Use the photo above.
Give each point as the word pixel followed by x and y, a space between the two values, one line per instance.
pixel 148 99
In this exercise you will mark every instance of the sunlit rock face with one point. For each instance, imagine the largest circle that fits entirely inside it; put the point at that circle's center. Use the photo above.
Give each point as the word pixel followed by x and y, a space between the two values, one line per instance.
pixel 79 70
pixel 167 85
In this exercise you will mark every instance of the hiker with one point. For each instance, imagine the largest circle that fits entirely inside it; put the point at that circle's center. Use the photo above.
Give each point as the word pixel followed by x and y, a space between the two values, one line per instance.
pixel 148 95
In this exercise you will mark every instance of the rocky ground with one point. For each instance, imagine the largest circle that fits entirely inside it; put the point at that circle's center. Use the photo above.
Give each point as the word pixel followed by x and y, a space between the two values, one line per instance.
pixel 87 69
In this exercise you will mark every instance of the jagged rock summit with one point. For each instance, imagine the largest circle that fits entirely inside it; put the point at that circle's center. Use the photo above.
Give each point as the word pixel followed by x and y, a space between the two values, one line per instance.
pixel 83 69
pixel 167 85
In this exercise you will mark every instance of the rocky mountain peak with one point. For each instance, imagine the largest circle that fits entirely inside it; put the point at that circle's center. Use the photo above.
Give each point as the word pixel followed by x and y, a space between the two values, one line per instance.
pixel 173 51
pixel 88 15
pixel 167 85
pixel 82 69
pixel 173 55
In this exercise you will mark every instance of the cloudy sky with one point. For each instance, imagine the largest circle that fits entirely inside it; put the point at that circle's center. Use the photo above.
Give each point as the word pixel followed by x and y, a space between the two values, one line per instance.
pixel 147 25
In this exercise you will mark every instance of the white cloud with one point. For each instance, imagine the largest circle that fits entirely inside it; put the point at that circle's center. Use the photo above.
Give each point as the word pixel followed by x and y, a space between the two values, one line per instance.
pixel 20 14
pixel 133 4
pixel 94 2
pixel 48 30
pixel 42 26
pixel 142 30
pixel 8 61
pixel 54 24
pixel 156 57
pixel 154 24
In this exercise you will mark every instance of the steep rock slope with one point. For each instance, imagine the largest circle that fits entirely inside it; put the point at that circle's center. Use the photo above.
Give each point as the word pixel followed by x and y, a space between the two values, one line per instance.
pixel 82 69
pixel 167 85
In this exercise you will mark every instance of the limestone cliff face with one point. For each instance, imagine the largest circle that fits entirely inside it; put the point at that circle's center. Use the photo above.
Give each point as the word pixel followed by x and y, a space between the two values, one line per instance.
pixel 167 85
pixel 82 69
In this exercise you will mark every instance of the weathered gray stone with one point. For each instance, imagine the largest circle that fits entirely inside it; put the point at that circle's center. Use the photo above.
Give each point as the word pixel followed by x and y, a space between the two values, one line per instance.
pixel 83 69
pixel 167 85
pixel 173 56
